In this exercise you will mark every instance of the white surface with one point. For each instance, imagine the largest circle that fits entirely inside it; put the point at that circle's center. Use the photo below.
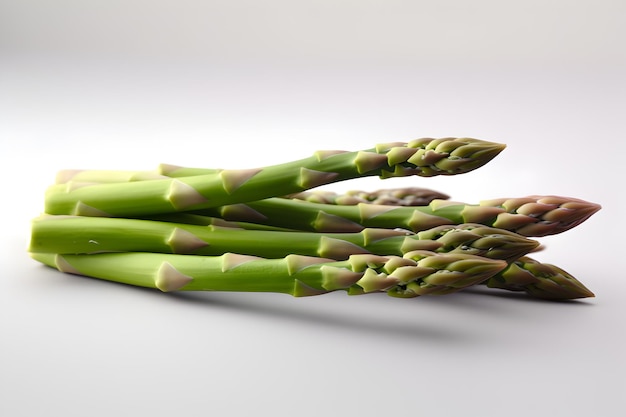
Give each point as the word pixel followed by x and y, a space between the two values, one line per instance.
pixel 128 85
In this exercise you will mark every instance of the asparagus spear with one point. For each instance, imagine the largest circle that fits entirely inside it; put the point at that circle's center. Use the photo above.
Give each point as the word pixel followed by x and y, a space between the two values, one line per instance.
pixel 539 280
pixel 76 234
pixel 422 157
pixel 417 273
pixel 532 216
pixel 411 196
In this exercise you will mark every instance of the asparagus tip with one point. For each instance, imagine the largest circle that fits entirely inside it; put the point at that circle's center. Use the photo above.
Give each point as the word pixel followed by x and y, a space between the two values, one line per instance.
pixel 540 280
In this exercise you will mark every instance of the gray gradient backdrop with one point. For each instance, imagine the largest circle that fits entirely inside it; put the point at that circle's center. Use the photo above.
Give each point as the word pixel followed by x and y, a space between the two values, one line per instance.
pixel 130 84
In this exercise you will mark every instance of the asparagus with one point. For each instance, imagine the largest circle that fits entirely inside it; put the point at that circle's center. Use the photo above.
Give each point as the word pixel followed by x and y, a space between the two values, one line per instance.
pixel 166 194
pixel 411 196
pixel 532 216
pixel 416 273
pixel 422 157
pixel 76 235
pixel 539 280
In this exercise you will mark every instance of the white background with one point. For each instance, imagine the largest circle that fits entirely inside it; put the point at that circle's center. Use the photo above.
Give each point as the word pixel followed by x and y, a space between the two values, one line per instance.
pixel 238 84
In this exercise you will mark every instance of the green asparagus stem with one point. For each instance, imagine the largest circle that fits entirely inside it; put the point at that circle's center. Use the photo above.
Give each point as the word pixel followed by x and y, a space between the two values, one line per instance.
pixel 422 157
pixel 78 235
pixel 411 196
pixel 417 273
pixel 532 216
pixel 539 280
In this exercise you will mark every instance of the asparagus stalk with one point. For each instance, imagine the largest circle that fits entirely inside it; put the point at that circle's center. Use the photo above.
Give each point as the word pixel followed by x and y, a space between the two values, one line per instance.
pixel 411 196
pixel 539 280
pixel 417 273
pixel 76 235
pixel 532 216
pixel 422 157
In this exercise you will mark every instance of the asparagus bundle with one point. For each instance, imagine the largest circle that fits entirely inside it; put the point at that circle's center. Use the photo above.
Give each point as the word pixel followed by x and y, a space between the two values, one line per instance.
pixel 263 229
